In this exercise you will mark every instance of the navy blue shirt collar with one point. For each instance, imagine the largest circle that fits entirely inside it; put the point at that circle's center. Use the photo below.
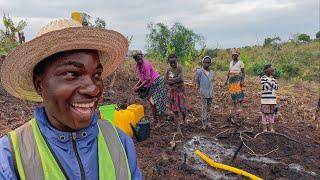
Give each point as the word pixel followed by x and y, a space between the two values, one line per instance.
pixel 53 134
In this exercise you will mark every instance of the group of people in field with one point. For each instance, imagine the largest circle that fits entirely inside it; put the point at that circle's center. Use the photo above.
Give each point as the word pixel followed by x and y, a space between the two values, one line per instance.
pixel 152 88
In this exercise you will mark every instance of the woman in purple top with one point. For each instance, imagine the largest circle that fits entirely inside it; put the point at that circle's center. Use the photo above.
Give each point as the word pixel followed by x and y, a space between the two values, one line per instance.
pixel 150 87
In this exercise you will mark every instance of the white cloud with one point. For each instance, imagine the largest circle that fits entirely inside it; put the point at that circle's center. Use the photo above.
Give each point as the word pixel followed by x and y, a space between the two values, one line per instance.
pixel 226 22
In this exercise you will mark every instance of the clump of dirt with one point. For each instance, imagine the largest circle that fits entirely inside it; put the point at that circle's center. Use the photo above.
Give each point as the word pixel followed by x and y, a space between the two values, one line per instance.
pixel 162 155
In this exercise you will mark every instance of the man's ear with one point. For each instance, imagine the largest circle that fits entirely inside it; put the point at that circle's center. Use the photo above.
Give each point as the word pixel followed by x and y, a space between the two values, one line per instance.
pixel 37 82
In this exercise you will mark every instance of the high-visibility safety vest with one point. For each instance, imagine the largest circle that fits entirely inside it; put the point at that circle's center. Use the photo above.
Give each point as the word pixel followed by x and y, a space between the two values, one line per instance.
pixel 34 158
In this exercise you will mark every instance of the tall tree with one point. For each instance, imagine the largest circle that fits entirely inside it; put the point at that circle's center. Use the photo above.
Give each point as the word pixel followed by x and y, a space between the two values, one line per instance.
pixel 183 39
pixel 158 39
pixel 304 38
pixel 162 41
pixel 271 41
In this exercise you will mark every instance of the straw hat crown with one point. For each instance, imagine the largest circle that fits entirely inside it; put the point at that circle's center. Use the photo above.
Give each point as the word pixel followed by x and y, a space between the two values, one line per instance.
pixel 58 25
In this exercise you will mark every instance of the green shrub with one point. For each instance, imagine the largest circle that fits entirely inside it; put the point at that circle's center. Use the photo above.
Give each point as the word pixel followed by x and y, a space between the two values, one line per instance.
pixel 219 65
pixel 290 70
pixel 318 35
pixel 256 69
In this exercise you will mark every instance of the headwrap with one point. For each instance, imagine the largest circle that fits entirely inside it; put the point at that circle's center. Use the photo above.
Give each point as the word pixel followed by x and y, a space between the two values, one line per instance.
pixel 207 57
pixel 235 51
pixel 136 53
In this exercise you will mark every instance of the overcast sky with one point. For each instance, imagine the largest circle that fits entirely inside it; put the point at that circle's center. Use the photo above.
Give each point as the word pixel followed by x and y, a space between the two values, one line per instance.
pixel 223 23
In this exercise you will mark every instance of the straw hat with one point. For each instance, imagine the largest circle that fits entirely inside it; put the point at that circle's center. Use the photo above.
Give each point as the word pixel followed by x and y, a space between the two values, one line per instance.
pixel 60 35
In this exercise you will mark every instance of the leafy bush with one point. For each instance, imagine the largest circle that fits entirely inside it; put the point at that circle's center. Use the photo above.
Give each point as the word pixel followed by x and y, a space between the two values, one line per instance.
pixel 271 41
pixel 256 69
pixel 290 70
pixel 212 52
pixel 318 35
pixel 304 38
pixel 220 65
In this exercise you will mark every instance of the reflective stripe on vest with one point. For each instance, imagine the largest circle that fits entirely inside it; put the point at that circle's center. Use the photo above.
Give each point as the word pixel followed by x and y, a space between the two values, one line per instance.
pixel 34 160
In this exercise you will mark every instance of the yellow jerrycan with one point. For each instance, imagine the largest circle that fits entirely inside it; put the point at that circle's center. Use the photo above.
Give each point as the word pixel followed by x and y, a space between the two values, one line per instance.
pixel 138 111
pixel 122 120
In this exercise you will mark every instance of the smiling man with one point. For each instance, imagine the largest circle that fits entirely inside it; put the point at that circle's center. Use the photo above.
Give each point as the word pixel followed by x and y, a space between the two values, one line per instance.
pixel 64 68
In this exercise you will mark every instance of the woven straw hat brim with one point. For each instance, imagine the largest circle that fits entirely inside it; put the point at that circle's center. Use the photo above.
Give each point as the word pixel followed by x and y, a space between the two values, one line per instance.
pixel 17 68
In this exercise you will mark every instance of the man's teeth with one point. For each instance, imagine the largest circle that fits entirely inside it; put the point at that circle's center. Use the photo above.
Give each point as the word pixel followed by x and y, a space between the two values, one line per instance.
pixel 82 105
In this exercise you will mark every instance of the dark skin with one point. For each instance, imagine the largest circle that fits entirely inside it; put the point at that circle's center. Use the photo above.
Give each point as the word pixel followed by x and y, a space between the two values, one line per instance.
pixel 206 64
pixel 270 71
pixel 71 87
pixel 173 62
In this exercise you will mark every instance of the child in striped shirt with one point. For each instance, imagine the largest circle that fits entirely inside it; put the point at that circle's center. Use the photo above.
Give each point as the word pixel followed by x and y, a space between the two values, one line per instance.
pixel 268 98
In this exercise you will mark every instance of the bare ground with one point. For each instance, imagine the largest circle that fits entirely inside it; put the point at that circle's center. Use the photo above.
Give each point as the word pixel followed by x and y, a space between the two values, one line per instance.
pixel 159 159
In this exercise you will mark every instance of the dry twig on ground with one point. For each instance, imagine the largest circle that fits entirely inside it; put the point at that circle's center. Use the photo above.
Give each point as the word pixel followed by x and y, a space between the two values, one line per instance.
pixel 252 152
pixel 223 132
pixel 275 133
pixel 173 142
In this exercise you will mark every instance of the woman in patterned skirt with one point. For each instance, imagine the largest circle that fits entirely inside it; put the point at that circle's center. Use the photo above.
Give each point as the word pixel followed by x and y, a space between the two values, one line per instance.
pixel 235 79
pixel 176 96
pixel 151 87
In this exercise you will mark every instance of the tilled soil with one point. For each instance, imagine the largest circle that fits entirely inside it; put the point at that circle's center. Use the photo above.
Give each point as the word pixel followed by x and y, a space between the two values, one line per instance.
pixel 162 157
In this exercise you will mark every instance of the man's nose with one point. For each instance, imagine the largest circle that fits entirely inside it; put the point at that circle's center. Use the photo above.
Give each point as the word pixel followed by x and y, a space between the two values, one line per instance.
pixel 89 87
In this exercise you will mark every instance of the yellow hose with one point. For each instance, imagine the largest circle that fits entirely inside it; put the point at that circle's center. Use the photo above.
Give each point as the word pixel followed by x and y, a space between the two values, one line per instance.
pixel 225 167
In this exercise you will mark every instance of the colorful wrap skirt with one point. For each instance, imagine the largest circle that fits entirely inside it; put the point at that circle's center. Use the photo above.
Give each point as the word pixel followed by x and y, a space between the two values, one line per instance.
pixel 235 88
pixel 177 100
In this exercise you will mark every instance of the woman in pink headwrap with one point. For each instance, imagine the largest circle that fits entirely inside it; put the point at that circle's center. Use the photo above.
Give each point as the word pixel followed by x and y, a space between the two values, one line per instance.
pixel 235 79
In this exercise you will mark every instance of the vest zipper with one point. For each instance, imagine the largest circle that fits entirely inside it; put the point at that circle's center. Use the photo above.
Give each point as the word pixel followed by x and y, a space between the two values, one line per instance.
pixel 74 145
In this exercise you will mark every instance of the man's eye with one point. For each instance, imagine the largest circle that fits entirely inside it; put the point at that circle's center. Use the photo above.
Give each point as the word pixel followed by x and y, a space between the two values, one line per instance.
pixel 70 75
